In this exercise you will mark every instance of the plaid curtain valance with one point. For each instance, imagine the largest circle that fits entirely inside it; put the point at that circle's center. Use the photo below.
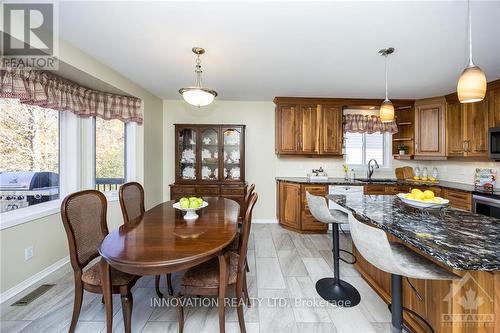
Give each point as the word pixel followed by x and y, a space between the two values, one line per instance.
pixel 358 123
pixel 48 90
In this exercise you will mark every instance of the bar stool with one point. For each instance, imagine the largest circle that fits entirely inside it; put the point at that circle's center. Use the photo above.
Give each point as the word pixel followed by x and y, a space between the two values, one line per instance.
pixel 399 261
pixel 334 290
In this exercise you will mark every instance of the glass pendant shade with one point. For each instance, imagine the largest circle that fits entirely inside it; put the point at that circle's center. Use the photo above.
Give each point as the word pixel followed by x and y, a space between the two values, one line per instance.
pixel 471 86
pixel 386 111
pixel 198 96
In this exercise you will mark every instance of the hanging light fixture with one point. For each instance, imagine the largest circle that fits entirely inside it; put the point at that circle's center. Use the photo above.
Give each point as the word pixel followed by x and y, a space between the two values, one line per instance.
pixel 197 95
pixel 471 85
pixel 386 109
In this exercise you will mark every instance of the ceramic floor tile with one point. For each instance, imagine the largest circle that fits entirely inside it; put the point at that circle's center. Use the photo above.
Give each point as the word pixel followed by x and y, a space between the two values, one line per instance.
pixel 269 274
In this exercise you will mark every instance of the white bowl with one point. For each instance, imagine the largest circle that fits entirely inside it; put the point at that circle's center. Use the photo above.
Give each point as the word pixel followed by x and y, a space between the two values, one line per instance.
pixel 190 212
pixel 423 204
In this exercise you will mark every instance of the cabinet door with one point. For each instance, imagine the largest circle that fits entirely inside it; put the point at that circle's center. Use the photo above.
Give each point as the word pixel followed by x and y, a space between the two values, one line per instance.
pixel 475 116
pixel 430 128
pixel 309 223
pixel 290 204
pixel 494 107
pixel 308 129
pixel 186 154
pixel 287 129
pixel 233 154
pixel 331 133
pixel 455 144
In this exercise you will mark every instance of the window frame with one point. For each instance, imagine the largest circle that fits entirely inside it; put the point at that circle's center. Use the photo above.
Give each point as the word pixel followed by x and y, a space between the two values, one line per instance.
pixel 387 153
pixel 69 170
pixel 130 155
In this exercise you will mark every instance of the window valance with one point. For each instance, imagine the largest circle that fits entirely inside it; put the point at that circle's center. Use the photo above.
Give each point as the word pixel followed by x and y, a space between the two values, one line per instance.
pixel 358 123
pixel 48 90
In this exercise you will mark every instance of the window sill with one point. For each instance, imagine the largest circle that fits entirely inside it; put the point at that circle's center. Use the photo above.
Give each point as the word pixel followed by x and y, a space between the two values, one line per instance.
pixel 28 214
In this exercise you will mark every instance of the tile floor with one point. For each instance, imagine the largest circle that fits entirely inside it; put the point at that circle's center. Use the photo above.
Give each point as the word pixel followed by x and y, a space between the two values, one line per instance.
pixel 284 267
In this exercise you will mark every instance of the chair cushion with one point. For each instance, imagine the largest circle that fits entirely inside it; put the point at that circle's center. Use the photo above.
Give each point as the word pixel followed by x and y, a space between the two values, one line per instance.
pixel 207 273
pixel 92 276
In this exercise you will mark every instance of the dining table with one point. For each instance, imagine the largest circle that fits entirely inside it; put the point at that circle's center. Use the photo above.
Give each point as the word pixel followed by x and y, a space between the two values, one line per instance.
pixel 161 241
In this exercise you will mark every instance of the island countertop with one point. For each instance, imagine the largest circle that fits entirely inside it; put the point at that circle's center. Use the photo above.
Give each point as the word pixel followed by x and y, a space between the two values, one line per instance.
pixel 457 238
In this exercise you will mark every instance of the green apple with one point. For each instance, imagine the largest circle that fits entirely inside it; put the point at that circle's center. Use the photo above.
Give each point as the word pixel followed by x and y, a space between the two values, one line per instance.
pixel 200 202
pixel 184 203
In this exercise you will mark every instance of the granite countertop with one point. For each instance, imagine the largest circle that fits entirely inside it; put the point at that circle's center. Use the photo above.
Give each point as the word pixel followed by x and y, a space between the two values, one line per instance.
pixel 459 239
pixel 342 181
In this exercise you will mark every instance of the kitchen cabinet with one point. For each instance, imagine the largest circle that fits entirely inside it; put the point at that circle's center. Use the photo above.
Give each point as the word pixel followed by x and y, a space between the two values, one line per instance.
pixel 430 128
pixel 493 95
pixel 458 199
pixel 308 129
pixel 455 142
pixel 293 210
pixel 382 189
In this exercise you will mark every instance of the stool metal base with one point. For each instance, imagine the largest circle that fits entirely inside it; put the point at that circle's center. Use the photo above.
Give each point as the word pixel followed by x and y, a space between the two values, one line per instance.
pixel 338 292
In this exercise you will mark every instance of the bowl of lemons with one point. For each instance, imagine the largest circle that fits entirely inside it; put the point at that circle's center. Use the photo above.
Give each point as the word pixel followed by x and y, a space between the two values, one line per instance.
pixel 422 199
pixel 190 206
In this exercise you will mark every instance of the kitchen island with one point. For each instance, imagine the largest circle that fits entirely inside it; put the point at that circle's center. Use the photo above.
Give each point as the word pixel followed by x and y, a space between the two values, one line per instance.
pixel 462 242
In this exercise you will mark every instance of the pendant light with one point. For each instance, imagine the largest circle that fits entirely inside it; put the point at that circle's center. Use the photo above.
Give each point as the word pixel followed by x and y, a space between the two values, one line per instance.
pixel 197 95
pixel 386 109
pixel 471 85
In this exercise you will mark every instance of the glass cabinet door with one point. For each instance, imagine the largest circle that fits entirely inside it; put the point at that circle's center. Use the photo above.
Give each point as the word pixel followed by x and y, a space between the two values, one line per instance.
pixel 209 154
pixel 232 151
pixel 187 153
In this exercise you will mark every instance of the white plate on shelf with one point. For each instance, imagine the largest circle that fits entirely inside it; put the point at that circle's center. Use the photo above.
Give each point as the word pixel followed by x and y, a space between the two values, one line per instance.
pixel 190 212
pixel 423 204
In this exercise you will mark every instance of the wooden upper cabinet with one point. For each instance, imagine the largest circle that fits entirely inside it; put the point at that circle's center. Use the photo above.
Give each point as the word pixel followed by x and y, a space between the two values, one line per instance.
pixel 287 126
pixel 308 128
pixel 455 144
pixel 331 133
pixel 430 127
pixel 493 96
pixel 475 123
pixel 308 132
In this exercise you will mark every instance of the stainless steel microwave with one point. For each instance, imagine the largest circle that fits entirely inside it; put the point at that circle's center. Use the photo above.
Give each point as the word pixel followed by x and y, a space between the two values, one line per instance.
pixel 494 143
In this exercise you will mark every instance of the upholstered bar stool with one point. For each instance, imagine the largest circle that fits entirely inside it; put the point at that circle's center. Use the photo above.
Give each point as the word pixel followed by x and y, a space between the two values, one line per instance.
pixel 333 289
pixel 399 261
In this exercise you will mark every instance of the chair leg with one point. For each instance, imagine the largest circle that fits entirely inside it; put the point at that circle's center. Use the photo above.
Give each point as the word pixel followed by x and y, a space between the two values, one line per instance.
pixel 77 305
pixel 169 284
pixel 157 286
pixel 246 266
pixel 180 313
pixel 127 305
pixel 397 303
pixel 239 296
pixel 245 289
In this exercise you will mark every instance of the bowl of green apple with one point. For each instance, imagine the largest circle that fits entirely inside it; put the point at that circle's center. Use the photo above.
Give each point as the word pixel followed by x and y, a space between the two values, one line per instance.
pixel 190 206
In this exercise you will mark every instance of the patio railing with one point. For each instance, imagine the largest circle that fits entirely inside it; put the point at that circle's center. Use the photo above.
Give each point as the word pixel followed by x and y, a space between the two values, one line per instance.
pixel 108 184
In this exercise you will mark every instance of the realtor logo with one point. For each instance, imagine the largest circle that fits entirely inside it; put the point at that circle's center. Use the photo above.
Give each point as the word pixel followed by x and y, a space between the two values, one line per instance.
pixel 28 35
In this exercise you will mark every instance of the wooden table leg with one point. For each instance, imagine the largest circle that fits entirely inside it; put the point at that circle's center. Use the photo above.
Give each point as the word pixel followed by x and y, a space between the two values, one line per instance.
pixel 223 279
pixel 107 295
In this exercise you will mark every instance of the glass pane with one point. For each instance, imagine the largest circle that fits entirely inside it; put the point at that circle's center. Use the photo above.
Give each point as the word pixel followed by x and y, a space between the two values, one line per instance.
pixel 209 155
pixel 109 154
pixel 375 147
pixel 29 150
pixel 232 154
pixel 187 149
pixel 354 148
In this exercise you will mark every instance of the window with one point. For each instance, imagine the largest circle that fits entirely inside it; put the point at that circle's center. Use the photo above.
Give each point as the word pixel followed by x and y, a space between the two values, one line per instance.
pixel 361 148
pixel 110 154
pixel 29 155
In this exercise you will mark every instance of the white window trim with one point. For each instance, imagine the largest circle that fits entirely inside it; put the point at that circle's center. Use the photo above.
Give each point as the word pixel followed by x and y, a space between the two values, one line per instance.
pixel 69 172
pixel 387 157
pixel 131 153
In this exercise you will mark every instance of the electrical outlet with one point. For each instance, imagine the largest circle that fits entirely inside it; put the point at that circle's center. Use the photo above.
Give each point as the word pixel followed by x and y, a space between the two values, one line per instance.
pixel 28 253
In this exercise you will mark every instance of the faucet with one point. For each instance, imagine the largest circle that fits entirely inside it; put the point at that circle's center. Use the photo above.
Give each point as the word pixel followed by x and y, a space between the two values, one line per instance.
pixel 371 168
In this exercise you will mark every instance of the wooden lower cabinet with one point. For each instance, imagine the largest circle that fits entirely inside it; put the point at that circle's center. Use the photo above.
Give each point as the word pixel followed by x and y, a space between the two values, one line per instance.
pixel 233 192
pixel 293 211
pixel 443 303
pixel 459 199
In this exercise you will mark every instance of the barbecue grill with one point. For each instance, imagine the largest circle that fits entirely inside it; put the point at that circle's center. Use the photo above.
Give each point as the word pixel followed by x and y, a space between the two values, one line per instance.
pixel 23 189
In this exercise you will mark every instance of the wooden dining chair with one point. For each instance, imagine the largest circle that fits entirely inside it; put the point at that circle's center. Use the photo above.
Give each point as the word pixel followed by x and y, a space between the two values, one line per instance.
pixel 235 245
pixel 203 280
pixel 84 218
pixel 132 203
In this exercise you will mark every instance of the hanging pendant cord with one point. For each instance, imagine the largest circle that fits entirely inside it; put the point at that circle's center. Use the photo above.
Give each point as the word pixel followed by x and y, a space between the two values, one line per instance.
pixel 385 77
pixel 471 63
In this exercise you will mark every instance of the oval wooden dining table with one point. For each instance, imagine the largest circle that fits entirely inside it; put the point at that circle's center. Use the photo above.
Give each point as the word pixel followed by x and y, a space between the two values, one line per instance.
pixel 162 242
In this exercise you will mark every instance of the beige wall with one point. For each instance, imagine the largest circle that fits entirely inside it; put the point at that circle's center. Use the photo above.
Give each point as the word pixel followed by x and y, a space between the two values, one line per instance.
pixel 46 235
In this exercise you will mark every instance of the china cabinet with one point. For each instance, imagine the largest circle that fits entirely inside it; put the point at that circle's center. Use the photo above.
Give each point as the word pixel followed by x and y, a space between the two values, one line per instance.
pixel 209 161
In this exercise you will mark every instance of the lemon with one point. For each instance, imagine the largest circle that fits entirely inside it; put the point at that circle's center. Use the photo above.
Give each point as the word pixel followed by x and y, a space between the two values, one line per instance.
pixel 432 179
pixel 428 194
pixel 416 177
pixel 424 179
pixel 415 191
pixel 419 196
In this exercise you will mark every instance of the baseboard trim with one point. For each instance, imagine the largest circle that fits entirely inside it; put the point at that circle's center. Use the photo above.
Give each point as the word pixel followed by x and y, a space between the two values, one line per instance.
pixel 8 294
pixel 264 221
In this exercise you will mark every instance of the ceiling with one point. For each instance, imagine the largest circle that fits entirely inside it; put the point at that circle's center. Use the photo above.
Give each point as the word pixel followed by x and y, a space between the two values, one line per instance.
pixel 259 50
